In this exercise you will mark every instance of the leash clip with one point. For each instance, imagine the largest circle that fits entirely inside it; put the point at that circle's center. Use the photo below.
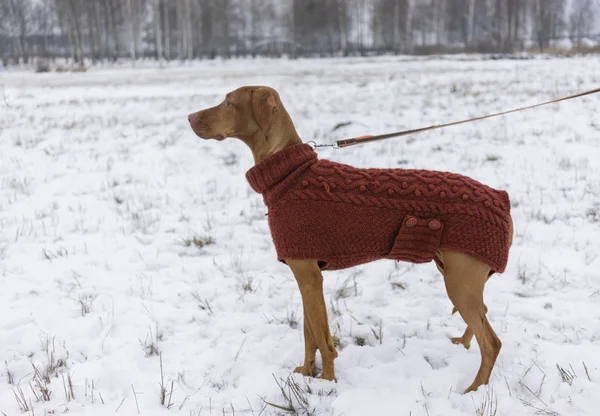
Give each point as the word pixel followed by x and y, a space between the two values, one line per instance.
pixel 315 146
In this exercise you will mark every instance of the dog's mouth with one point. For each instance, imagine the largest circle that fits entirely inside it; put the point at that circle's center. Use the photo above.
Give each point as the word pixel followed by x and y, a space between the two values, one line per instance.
pixel 204 132
pixel 217 137
pixel 212 136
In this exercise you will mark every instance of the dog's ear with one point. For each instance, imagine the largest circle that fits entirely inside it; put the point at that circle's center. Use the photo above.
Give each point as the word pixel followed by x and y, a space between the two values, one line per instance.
pixel 264 107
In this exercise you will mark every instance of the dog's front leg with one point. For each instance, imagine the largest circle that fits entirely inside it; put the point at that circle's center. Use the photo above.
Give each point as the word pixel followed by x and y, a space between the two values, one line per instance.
pixel 310 352
pixel 316 327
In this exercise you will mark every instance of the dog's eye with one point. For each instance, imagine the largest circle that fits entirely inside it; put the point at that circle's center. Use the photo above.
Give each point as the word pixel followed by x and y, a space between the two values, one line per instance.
pixel 228 103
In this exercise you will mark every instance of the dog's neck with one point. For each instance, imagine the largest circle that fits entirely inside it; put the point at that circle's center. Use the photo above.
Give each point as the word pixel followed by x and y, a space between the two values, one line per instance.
pixel 282 134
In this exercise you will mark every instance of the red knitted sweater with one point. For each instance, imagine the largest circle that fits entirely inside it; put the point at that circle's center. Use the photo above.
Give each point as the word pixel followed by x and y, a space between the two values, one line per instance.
pixel 344 216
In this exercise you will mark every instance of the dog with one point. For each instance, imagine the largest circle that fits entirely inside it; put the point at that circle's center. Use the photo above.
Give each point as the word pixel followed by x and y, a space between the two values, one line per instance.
pixel 324 215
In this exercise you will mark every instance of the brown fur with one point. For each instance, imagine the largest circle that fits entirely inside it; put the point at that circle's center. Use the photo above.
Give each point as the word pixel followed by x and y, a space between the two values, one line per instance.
pixel 256 116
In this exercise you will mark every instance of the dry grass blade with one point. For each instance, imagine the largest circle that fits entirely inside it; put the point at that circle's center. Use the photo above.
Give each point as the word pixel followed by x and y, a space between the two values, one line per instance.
pixel 42 381
pixel 21 400
pixel 488 405
pixel 203 304
pixel 11 377
pixel 169 404
pixel 539 410
pixel 378 334
pixel 533 393
pixel 295 398
pixel 198 242
pixel 185 399
pixel 135 397
pixel 70 386
pixel 566 375
pixel 118 407
pixel 239 350
pixel 68 397
pixel 586 371
pixel 163 388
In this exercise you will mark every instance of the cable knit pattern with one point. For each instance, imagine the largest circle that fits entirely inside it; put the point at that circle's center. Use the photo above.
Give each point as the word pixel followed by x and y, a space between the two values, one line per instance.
pixel 344 216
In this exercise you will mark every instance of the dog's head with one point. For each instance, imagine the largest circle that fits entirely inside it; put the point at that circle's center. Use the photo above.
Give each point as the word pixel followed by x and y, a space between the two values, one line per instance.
pixel 244 113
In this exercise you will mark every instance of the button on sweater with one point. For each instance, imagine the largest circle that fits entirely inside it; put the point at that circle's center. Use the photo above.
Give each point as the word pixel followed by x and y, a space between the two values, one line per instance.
pixel 343 216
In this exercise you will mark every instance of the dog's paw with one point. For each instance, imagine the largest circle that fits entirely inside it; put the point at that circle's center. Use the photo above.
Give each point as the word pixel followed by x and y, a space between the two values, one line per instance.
pixel 459 340
pixel 327 376
pixel 472 387
pixel 308 371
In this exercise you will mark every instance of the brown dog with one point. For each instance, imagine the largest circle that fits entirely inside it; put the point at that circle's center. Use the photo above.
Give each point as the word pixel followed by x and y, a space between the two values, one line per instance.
pixel 256 116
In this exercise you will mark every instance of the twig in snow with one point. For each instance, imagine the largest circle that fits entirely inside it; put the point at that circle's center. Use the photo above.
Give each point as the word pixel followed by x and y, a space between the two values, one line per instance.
pixel 163 389
pixel 135 397
pixel 240 350
pixel 379 334
pixel 586 371
pixel 21 400
pixel 531 391
pixel 566 375
pixel 489 404
pixel 187 397
pixel 120 404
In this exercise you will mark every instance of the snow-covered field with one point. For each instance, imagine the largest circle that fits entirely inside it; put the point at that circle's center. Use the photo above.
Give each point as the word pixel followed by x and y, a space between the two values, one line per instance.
pixel 106 196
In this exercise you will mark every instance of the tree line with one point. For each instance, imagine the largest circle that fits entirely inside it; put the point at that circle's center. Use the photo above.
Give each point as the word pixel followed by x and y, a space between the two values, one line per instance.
pixel 106 30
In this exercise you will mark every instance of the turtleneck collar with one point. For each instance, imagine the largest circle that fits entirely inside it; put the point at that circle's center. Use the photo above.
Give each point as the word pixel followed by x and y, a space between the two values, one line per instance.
pixel 278 166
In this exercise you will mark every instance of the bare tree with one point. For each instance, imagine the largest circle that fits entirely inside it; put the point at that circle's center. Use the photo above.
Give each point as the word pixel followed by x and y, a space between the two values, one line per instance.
pixel 17 11
pixel 439 20
pixel 253 22
pixel 42 22
pixel 291 15
pixel 188 29
pixel 132 25
pixel 4 34
pixel 581 19
pixel 547 20
pixel 342 15
pixel 184 33
pixel 408 25
pixel 70 16
pixel 470 22
pixel 167 28
pixel 189 32
pixel 158 35
pixel 461 14
pixel 180 19
pixel 315 25
pixel 92 30
pixel 110 45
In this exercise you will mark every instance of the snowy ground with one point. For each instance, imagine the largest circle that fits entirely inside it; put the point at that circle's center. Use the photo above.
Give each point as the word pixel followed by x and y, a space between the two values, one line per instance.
pixel 102 183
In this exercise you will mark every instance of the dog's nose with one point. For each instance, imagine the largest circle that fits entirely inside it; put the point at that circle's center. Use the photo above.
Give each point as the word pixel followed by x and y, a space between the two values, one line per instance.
pixel 190 118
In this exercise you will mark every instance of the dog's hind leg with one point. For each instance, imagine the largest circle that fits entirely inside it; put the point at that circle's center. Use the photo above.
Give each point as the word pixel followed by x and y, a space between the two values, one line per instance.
pixel 466 338
pixel 316 327
pixel 465 279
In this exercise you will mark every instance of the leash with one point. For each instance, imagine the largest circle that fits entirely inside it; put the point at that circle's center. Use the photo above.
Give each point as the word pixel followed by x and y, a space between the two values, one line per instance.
pixel 338 144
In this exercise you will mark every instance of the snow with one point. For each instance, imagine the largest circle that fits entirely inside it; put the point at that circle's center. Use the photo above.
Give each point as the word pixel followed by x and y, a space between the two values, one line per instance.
pixel 102 181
